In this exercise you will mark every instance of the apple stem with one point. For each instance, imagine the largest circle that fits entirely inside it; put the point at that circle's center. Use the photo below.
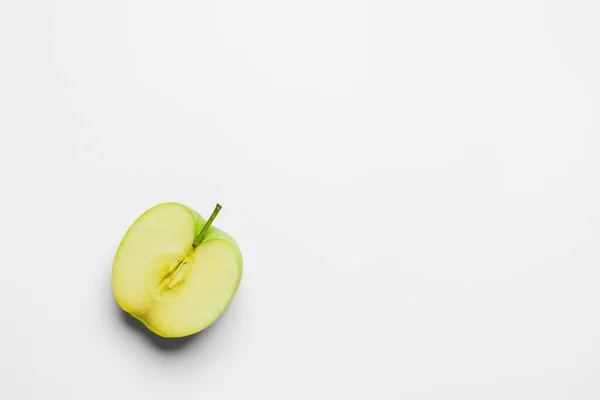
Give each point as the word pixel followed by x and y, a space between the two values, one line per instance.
pixel 207 225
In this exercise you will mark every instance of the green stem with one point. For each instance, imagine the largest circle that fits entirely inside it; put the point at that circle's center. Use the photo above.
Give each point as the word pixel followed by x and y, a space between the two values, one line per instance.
pixel 207 225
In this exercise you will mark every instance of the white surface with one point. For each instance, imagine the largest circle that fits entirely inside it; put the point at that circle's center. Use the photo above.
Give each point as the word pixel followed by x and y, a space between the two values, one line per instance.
pixel 415 186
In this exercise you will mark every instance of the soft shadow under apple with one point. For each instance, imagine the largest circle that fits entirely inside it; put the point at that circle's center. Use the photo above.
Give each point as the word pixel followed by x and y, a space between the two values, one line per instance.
pixel 165 344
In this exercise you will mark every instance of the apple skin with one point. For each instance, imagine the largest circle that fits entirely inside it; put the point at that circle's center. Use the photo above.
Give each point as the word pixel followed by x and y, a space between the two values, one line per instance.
pixel 211 234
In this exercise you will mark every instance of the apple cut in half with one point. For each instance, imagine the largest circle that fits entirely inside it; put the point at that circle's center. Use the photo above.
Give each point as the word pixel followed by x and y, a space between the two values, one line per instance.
pixel 174 271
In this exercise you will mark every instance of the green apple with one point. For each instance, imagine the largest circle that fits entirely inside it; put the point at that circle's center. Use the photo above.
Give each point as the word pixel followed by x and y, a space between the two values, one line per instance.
pixel 174 271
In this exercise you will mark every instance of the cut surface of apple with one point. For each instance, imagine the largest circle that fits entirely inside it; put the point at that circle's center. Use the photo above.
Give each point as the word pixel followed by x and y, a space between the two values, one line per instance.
pixel 174 271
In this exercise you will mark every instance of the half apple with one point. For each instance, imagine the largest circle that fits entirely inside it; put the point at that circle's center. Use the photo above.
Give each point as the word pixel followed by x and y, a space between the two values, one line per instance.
pixel 174 271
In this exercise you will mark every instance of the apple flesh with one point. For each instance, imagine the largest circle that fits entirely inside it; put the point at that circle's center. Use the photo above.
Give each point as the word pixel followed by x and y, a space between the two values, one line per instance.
pixel 174 271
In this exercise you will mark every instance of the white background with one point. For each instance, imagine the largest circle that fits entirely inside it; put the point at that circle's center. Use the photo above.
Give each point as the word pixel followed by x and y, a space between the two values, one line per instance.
pixel 415 187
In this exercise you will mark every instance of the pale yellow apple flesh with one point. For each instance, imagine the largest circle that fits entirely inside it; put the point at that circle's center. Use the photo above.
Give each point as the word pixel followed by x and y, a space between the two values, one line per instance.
pixel 167 276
